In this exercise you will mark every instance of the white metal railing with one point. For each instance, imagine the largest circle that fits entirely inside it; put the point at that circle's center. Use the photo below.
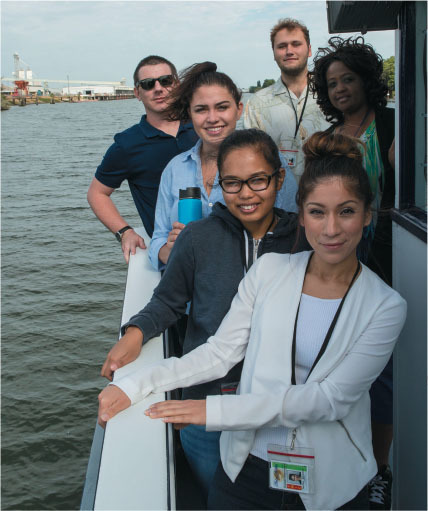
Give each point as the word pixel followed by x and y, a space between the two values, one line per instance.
pixel 135 470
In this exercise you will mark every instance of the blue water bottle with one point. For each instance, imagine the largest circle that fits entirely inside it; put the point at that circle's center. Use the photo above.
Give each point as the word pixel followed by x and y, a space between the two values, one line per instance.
pixel 189 205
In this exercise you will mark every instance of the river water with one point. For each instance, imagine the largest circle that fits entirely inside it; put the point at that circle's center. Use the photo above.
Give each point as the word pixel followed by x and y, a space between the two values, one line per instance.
pixel 63 281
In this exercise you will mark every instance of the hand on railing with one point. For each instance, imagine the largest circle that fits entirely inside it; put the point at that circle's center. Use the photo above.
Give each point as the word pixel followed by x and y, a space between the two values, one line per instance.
pixel 185 412
pixel 126 350
pixel 111 401
pixel 130 241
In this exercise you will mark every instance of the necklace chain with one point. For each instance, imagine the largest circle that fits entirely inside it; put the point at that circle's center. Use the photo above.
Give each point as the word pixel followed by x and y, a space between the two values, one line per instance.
pixel 358 126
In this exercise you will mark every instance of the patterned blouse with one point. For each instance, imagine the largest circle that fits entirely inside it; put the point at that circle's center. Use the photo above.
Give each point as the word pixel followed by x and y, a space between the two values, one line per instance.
pixel 372 162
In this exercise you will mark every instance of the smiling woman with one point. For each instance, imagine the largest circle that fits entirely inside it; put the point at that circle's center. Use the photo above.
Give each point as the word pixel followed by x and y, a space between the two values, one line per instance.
pixel 348 83
pixel 314 330
pixel 333 219
pixel 334 203
pixel 246 175
pixel 213 102
pixel 214 114
pixel 351 91
pixel 208 261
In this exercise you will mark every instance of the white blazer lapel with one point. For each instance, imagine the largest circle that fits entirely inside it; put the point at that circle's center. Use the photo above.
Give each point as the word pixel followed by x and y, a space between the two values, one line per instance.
pixel 352 321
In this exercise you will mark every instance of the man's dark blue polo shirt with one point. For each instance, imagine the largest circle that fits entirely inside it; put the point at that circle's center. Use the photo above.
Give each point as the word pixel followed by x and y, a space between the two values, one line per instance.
pixel 139 154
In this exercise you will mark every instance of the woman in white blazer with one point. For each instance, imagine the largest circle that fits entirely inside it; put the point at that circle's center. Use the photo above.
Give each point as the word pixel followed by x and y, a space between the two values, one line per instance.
pixel 316 329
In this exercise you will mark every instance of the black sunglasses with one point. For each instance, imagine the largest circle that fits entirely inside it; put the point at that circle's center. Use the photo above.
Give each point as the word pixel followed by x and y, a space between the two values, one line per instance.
pixel 256 183
pixel 149 83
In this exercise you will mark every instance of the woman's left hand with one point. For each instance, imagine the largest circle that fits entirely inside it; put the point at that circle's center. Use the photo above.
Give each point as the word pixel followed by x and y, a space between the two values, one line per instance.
pixel 112 400
pixel 179 412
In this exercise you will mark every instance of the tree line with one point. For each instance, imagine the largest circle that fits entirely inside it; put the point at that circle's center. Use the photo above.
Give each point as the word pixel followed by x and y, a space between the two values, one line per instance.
pixel 266 83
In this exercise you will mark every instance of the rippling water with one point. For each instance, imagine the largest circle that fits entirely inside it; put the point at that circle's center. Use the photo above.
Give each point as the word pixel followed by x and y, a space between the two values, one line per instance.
pixel 63 280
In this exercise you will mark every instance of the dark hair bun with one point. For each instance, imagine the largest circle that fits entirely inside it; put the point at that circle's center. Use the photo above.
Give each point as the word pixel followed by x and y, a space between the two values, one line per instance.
pixel 331 155
pixel 321 145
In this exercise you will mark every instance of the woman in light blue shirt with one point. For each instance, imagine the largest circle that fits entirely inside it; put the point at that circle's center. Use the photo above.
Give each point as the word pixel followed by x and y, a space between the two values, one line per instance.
pixel 213 103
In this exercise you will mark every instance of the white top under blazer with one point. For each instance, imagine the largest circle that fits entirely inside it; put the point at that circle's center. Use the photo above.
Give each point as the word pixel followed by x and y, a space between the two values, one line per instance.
pixel 331 411
pixel 315 318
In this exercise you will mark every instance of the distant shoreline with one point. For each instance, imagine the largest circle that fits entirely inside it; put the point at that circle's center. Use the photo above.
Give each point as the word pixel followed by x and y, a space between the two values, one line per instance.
pixel 9 101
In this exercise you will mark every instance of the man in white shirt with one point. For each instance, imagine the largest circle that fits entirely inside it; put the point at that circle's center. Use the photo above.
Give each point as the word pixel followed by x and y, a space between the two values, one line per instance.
pixel 286 110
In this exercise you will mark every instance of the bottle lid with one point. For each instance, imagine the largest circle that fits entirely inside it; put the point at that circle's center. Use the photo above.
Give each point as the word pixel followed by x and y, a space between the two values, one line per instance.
pixel 191 192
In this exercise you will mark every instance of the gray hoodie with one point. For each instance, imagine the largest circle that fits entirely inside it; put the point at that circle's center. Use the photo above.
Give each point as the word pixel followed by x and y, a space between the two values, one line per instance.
pixel 205 267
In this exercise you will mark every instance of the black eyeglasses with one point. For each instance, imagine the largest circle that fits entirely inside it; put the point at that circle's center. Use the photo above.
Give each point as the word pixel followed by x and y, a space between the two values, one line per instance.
pixel 256 183
pixel 149 83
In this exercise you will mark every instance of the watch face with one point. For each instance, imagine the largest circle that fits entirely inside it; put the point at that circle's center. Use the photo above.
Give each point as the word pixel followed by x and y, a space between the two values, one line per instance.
pixel 120 232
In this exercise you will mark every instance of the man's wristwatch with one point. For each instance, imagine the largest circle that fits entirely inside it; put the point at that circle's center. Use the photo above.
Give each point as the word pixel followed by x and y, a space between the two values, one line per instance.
pixel 120 232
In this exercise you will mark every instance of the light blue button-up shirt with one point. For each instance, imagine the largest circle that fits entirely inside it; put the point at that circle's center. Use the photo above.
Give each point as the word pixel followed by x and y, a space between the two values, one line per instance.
pixel 185 171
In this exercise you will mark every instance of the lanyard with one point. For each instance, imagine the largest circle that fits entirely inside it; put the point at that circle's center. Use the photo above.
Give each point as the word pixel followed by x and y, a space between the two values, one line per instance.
pixel 247 262
pixel 298 122
pixel 327 337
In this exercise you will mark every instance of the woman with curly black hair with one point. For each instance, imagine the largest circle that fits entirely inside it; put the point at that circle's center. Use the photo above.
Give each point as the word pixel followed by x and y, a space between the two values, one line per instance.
pixel 347 81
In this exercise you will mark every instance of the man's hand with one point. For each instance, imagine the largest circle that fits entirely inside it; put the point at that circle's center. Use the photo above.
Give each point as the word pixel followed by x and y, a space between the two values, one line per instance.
pixel 99 198
pixel 130 241
pixel 112 400
pixel 126 350
pixel 180 412
pixel 165 250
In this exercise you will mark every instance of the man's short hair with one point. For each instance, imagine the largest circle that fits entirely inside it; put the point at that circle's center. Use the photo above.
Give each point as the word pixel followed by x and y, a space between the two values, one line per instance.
pixel 289 24
pixel 152 60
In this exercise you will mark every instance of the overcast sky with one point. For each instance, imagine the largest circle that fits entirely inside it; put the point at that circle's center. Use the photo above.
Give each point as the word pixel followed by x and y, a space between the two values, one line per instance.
pixel 104 40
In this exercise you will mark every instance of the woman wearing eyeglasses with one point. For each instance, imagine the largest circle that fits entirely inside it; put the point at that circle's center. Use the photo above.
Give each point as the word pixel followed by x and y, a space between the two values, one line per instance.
pixel 314 329
pixel 209 259
pixel 213 103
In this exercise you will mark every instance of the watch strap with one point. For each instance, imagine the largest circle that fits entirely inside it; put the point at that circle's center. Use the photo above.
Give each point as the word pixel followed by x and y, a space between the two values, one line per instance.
pixel 120 232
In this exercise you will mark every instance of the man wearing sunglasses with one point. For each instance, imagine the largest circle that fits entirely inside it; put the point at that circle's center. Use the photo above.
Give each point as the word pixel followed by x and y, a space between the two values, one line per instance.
pixel 140 153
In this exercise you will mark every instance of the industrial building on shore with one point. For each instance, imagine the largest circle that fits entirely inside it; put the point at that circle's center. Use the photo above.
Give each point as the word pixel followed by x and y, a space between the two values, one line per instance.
pixel 24 84
pixel 98 91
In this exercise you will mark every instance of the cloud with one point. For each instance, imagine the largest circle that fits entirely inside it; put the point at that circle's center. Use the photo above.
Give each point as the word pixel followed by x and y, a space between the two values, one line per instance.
pixel 104 40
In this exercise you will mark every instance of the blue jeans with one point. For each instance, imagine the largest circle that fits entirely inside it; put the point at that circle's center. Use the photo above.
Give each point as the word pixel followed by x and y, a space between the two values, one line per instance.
pixel 251 491
pixel 202 451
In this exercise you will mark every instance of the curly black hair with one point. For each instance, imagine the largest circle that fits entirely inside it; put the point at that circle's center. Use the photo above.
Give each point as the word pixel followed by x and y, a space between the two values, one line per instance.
pixel 360 58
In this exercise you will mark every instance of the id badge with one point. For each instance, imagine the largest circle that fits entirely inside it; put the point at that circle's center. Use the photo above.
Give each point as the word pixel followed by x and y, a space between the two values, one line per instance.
pixel 229 388
pixel 291 156
pixel 291 469
pixel 289 148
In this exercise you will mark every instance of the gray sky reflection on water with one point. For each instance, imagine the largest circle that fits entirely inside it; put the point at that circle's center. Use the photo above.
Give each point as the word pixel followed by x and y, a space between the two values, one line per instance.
pixel 104 40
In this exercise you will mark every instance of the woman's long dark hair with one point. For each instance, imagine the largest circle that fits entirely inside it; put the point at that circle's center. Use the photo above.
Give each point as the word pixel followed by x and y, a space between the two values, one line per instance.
pixel 193 77
pixel 360 58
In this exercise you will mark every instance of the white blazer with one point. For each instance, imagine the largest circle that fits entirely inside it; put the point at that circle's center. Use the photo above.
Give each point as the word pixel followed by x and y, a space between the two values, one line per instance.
pixel 331 411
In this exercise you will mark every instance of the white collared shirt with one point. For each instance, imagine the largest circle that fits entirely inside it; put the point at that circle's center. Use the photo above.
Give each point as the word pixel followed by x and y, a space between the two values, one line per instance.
pixel 270 110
